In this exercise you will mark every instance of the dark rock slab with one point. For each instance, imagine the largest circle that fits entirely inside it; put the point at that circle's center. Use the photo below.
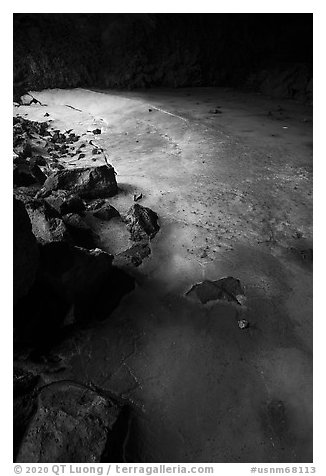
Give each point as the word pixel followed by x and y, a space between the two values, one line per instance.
pixel 72 424
pixel 87 182
pixel 25 251
pixel 226 289
pixel 142 222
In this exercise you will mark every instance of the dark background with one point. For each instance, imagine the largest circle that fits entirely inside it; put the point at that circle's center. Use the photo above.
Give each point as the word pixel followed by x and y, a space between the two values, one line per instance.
pixel 271 53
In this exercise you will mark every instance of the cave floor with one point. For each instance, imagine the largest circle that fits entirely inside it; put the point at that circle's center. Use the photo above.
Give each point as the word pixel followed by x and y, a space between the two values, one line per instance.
pixel 230 177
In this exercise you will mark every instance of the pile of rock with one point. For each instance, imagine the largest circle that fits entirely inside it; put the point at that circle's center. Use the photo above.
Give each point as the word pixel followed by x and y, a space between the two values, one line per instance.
pixel 62 281
pixel 61 277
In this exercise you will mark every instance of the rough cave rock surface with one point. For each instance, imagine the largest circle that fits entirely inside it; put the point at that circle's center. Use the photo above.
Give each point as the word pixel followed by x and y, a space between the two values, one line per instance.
pixel 71 424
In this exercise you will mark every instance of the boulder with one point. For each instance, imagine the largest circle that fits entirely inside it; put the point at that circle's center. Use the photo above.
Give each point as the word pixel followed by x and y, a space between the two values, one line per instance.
pixel 25 251
pixel 46 226
pixel 87 182
pixel 141 222
pixel 72 424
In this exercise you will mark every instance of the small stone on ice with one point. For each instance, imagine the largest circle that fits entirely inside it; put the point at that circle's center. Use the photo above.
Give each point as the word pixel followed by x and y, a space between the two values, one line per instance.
pixel 243 323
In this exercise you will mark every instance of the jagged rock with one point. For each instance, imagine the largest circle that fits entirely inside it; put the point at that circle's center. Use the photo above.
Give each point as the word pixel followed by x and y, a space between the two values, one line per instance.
pixel 80 232
pixel 46 226
pixel 134 256
pixel 87 182
pixel 72 424
pixel 62 202
pixel 141 222
pixel 25 252
pixel 22 125
pixel 106 212
pixel 225 289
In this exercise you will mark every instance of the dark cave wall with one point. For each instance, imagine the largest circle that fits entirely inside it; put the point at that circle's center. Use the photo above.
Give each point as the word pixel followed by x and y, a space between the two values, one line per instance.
pixel 267 52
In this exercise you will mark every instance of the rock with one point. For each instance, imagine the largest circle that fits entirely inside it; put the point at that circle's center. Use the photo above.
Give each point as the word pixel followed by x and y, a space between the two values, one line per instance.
pixel 62 202
pixel 88 279
pixel 46 226
pixel 141 222
pixel 106 212
pixel 134 256
pixel 226 289
pixel 72 424
pixel 97 131
pixel 72 284
pixel 25 251
pixel 80 232
pixel 25 175
pixel 87 182
pixel 243 323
